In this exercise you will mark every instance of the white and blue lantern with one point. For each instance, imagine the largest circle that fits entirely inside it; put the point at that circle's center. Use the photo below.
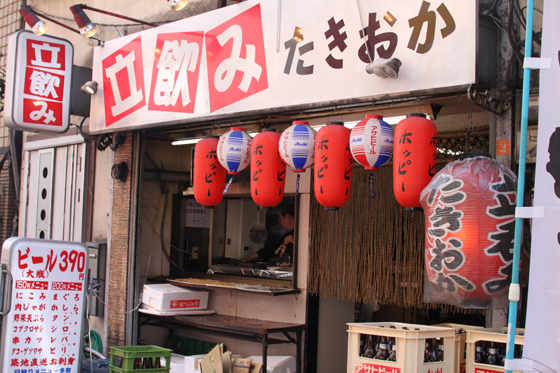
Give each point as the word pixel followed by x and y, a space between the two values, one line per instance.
pixel 371 142
pixel 234 150
pixel 297 146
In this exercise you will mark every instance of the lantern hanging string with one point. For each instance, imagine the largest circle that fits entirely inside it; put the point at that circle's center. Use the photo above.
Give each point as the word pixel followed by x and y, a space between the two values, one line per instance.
pixel 371 185
pixel 228 184
pixel 297 185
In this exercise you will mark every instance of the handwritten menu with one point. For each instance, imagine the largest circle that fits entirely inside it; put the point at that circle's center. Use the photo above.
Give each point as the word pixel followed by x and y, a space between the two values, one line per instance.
pixel 43 330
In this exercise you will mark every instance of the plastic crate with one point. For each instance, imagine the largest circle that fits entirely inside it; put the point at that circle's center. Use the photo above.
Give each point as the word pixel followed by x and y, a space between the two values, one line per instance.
pixel 498 335
pixel 122 358
pixel 460 344
pixel 410 344
pixel 188 347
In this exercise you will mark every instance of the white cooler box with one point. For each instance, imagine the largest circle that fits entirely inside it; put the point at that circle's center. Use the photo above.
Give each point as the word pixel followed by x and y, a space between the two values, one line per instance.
pixel 166 297
pixel 277 364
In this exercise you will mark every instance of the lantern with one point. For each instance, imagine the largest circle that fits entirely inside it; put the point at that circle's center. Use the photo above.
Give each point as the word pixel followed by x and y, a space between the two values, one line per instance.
pixel 209 176
pixel 234 150
pixel 414 162
pixel 333 168
pixel 371 142
pixel 297 146
pixel 268 171
pixel 469 209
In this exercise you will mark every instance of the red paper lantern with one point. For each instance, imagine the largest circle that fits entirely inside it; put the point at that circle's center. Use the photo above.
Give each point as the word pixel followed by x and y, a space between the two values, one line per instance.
pixel 333 165
pixel 268 171
pixel 414 157
pixel 469 209
pixel 209 176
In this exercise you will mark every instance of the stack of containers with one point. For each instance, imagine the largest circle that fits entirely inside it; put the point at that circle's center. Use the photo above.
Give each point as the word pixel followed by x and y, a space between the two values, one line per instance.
pixel 460 344
pixel 487 336
pixel 409 343
pixel 125 359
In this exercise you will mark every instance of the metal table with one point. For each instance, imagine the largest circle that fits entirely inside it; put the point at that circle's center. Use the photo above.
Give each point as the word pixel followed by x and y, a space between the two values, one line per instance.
pixel 237 328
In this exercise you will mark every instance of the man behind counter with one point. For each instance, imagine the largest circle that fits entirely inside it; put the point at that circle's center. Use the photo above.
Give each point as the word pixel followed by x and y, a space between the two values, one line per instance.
pixel 287 221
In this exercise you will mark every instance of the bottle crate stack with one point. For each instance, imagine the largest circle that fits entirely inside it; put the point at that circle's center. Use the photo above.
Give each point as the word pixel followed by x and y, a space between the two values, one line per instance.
pixel 148 359
pixel 460 344
pixel 486 349
pixel 388 347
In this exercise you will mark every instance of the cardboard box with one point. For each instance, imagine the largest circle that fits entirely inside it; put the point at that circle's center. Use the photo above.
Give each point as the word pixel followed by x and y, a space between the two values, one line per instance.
pixel 166 297
pixel 277 364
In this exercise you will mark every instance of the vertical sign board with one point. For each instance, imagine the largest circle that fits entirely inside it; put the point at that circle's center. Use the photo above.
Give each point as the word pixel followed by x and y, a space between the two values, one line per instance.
pixel 43 330
pixel 38 81
pixel 542 328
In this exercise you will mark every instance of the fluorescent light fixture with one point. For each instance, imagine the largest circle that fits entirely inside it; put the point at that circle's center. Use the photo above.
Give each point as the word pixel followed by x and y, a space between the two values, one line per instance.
pixel 186 141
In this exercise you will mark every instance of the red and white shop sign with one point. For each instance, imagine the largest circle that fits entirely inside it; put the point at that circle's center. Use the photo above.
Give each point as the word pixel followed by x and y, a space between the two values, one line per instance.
pixel 236 59
pixel 123 82
pixel 375 368
pixel 42 331
pixel 175 72
pixel 189 303
pixel 38 79
pixel 243 58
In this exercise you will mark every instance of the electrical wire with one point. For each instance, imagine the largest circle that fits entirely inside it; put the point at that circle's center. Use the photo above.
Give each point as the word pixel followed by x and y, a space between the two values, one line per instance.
pixel 71 20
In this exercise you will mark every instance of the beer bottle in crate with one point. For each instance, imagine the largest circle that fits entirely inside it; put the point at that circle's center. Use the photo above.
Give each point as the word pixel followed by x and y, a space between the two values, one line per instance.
pixel 382 353
pixel 492 358
pixel 440 348
pixel 429 352
pixel 479 356
pixel 393 355
pixel 370 349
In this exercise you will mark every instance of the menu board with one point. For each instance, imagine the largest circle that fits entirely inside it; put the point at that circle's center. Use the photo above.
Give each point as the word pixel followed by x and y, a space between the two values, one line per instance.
pixel 197 216
pixel 43 330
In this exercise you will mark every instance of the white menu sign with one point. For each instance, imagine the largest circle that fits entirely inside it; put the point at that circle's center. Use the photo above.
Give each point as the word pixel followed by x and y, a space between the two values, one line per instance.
pixel 43 330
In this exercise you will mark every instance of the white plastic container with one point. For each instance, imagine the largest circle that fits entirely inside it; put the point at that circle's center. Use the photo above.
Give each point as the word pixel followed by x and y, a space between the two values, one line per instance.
pixel 460 344
pixel 498 335
pixel 410 344
pixel 166 297
pixel 277 364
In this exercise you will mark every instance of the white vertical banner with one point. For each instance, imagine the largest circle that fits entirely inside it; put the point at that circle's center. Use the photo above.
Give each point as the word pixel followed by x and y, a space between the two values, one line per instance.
pixel 542 338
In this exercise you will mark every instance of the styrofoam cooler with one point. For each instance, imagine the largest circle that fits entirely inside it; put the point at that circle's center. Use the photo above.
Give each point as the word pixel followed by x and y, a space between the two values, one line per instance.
pixel 277 364
pixel 167 297
pixel 410 344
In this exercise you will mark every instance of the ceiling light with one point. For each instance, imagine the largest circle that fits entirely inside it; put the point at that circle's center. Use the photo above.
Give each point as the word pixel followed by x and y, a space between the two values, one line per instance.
pixel 37 26
pixel 87 28
pixel 298 35
pixel 90 87
pixel 186 141
pixel 385 68
pixel 178 4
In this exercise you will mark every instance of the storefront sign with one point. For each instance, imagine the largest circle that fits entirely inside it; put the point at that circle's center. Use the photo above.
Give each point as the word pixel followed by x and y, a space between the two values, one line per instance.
pixel 243 58
pixel 43 330
pixel 542 328
pixel 38 78
pixel 375 368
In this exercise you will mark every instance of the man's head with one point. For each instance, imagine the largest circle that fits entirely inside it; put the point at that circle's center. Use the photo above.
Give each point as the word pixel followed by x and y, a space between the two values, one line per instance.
pixel 286 216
